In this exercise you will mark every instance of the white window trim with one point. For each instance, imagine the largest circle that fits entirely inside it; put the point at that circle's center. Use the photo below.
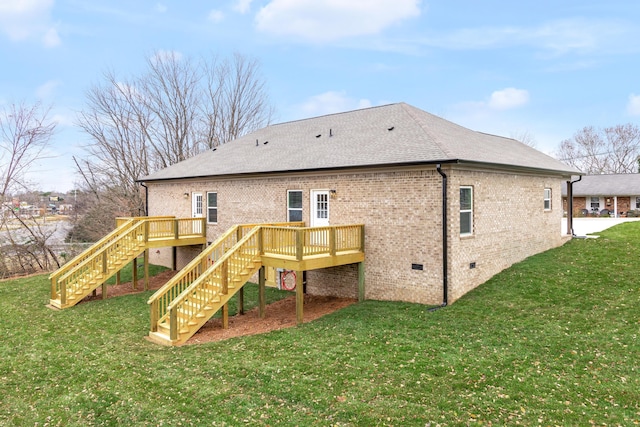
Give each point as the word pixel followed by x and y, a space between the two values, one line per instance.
pixel 470 233
pixel 547 209
pixel 289 209
pixel 210 207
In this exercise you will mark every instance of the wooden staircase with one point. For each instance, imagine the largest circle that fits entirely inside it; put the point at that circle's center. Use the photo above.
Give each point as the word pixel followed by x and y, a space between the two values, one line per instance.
pixel 217 274
pixel 82 275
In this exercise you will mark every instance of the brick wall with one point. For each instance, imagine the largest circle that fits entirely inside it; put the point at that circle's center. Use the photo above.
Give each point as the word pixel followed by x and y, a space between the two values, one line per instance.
pixel 401 210
pixel 509 225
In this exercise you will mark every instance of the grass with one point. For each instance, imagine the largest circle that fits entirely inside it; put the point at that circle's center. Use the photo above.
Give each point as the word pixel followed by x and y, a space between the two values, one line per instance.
pixel 550 341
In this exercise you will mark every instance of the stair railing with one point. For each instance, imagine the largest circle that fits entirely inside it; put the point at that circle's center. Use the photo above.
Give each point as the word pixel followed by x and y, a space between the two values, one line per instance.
pixel 121 225
pixel 101 263
pixel 214 282
pixel 161 299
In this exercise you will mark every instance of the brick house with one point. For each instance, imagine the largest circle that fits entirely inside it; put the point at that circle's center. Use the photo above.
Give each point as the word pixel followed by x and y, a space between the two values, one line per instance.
pixel 613 194
pixel 444 207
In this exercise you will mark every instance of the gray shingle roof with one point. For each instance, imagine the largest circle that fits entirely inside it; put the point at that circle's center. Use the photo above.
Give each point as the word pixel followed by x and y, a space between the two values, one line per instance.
pixel 606 185
pixel 393 134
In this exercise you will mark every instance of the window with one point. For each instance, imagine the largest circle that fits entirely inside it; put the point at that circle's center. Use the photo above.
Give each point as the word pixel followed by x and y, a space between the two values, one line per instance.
pixel 637 202
pixel 294 205
pixel 547 199
pixel 595 204
pixel 212 208
pixel 466 211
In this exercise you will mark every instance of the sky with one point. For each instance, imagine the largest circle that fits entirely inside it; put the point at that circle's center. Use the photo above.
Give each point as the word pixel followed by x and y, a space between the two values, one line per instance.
pixel 541 69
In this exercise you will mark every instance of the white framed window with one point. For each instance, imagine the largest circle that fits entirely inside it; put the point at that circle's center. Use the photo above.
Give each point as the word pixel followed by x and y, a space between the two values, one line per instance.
pixel 466 211
pixel 637 206
pixel 547 199
pixel 594 204
pixel 212 207
pixel 294 205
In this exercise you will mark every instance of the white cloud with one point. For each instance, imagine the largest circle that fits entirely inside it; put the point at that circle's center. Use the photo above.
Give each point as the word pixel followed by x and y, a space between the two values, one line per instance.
pixel 47 89
pixel 579 35
pixel 215 16
pixel 329 103
pixel 508 98
pixel 323 21
pixel 29 19
pixel 51 38
pixel 633 105
pixel 242 6
pixel 161 8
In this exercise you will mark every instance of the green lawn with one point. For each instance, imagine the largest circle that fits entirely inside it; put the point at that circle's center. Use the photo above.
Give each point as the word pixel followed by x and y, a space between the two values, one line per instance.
pixel 551 341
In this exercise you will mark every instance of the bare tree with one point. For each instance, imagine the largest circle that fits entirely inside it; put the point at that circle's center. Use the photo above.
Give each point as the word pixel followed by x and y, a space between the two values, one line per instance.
pixel 174 110
pixel 25 131
pixel 525 137
pixel 613 149
pixel 237 101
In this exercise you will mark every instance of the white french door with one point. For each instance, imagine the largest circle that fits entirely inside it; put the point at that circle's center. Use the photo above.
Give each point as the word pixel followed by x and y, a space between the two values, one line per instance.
pixel 319 208
pixel 197 211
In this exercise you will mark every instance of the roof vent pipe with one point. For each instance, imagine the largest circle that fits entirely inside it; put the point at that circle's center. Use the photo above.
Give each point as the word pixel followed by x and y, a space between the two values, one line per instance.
pixel 256 142
pixel 330 132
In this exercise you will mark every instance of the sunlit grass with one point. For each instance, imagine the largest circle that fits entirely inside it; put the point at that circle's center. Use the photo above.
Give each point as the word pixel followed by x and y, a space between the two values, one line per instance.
pixel 551 341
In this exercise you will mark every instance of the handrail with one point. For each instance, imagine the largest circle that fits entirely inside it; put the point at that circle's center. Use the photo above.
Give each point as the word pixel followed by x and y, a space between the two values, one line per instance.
pixel 178 283
pixel 91 250
pixel 97 263
pixel 214 281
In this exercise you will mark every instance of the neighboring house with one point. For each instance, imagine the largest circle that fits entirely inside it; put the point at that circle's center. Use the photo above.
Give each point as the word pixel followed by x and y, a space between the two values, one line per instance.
pixel 614 194
pixel 392 168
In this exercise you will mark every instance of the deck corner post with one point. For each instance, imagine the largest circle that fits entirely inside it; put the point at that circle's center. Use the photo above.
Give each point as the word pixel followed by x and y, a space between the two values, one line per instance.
pixel 361 281
pixel 299 298
pixel 362 238
pixel 261 292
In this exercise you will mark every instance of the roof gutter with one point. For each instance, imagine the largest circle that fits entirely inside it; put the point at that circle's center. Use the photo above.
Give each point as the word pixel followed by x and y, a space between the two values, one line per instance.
pixel 445 241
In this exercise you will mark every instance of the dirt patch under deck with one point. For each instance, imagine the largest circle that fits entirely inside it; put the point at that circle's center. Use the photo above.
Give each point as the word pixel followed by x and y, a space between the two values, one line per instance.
pixel 278 315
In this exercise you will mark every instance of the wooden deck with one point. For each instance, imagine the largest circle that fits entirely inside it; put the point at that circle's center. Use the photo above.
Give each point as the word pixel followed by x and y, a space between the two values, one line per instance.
pixel 205 286
pixel 207 283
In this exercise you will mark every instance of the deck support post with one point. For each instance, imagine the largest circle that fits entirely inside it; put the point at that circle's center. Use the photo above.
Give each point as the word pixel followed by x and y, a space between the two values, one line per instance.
pixel 299 297
pixel 174 258
pixel 225 316
pixel 261 294
pixel 134 272
pixel 241 301
pixel 146 269
pixel 361 281
pixel 118 281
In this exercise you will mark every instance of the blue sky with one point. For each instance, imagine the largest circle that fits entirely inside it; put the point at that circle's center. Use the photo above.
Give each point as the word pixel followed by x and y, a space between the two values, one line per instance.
pixel 545 68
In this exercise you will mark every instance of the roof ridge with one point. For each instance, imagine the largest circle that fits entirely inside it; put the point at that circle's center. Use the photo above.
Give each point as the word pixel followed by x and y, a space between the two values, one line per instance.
pixel 341 113
pixel 412 112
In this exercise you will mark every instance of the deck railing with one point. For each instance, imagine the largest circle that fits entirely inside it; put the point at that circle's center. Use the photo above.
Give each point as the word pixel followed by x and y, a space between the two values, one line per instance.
pixel 160 300
pixel 106 240
pixel 311 241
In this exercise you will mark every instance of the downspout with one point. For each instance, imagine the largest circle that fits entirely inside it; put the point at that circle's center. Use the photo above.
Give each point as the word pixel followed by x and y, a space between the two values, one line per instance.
pixel 445 255
pixel 146 199
pixel 570 206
